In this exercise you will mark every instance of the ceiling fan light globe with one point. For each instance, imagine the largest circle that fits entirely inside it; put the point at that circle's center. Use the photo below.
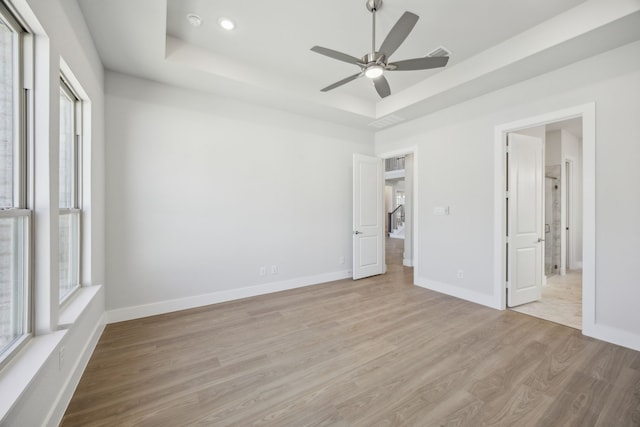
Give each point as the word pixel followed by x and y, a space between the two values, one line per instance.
pixel 374 71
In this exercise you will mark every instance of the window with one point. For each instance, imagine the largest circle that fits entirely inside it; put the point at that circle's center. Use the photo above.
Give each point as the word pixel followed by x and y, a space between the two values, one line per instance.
pixel 399 198
pixel 14 215
pixel 70 212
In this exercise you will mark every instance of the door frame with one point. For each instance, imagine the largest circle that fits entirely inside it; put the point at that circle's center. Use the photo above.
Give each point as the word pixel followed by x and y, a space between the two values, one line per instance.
pixel 414 232
pixel 587 112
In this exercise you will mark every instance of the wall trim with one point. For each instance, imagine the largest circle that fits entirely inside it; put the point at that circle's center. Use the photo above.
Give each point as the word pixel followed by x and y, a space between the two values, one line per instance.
pixel 456 291
pixel 613 335
pixel 161 307
pixel 407 262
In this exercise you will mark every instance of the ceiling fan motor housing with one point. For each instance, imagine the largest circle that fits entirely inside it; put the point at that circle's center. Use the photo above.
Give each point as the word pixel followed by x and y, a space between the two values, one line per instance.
pixel 373 58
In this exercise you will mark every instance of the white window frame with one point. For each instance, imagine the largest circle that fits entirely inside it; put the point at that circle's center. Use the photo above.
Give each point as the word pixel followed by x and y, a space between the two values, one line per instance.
pixel 76 209
pixel 23 112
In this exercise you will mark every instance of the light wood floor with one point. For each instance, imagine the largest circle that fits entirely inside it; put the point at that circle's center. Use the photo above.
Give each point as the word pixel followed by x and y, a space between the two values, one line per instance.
pixel 374 352
pixel 561 300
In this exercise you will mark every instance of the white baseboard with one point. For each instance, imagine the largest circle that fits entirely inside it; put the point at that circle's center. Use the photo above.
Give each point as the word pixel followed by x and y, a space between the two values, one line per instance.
pixel 407 262
pixel 66 393
pixel 161 307
pixel 613 335
pixel 458 292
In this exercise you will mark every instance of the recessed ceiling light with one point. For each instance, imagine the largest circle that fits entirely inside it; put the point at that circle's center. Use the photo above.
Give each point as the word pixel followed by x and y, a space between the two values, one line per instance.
pixel 194 20
pixel 227 24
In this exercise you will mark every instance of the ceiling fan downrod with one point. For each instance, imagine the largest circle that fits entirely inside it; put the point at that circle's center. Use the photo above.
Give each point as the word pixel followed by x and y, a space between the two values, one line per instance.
pixel 373 6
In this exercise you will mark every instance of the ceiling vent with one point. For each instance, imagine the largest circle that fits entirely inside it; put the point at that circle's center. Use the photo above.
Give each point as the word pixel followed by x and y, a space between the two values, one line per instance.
pixel 386 121
pixel 439 52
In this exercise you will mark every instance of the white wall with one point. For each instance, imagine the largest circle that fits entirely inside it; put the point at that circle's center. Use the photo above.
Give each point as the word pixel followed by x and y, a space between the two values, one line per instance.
pixel 203 191
pixel 456 168
pixel 553 148
pixel 61 35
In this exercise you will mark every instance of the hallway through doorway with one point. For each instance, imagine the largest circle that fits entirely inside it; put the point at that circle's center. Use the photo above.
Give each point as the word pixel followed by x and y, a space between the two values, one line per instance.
pixel 394 252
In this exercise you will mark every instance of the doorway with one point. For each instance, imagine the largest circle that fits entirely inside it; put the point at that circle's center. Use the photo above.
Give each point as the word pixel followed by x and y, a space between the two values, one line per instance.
pixel 559 297
pixel 373 222
pixel 399 210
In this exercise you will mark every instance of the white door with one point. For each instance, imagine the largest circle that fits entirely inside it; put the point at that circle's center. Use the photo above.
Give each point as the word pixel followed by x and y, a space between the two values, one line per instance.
pixel 368 216
pixel 525 229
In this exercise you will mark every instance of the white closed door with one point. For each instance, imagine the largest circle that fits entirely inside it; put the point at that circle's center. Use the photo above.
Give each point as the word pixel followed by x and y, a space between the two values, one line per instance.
pixel 368 216
pixel 525 230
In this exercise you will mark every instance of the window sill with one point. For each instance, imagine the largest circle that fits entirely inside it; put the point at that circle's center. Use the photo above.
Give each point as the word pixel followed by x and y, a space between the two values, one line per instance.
pixel 75 306
pixel 25 366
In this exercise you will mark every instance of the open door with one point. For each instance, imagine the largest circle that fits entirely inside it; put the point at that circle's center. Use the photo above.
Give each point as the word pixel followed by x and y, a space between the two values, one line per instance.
pixel 525 263
pixel 368 216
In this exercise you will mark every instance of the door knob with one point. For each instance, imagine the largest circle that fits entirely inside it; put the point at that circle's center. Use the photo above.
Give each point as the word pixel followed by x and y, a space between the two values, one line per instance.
pixel 358 232
pixel 540 240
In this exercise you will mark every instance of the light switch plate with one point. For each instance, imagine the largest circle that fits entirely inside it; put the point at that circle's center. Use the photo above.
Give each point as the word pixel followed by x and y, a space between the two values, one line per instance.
pixel 441 210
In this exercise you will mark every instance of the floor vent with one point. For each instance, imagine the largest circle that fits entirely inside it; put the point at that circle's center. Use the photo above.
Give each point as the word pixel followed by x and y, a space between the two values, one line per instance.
pixel 440 51
pixel 386 121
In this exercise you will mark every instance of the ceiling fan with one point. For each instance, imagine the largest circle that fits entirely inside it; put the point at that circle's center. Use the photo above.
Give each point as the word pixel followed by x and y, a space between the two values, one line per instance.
pixel 374 64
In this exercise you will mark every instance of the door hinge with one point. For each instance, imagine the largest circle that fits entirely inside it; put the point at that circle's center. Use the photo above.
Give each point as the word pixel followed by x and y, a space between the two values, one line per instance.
pixel 506 194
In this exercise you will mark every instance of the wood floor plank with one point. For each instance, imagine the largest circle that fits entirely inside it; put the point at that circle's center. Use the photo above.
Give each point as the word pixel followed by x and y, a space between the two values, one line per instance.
pixel 579 404
pixel 377 351
pixel 522 407
pixel 622 409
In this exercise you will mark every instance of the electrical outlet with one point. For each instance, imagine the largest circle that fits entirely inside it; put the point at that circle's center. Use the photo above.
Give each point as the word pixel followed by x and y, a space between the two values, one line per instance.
pixel 274 269
pixel 60 358
pixel 341 260
pixel 263 271
pixel 460 274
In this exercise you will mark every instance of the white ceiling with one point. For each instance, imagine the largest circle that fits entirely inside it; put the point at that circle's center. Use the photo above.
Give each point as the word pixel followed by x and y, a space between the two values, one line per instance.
pixel 267 60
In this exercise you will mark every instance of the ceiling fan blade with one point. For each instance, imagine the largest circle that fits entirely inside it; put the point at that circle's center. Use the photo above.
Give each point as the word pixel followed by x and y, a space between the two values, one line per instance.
pixel 420 63
pixel 398 33
pixel 382 86
pixel 341 82
pixel 336 55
